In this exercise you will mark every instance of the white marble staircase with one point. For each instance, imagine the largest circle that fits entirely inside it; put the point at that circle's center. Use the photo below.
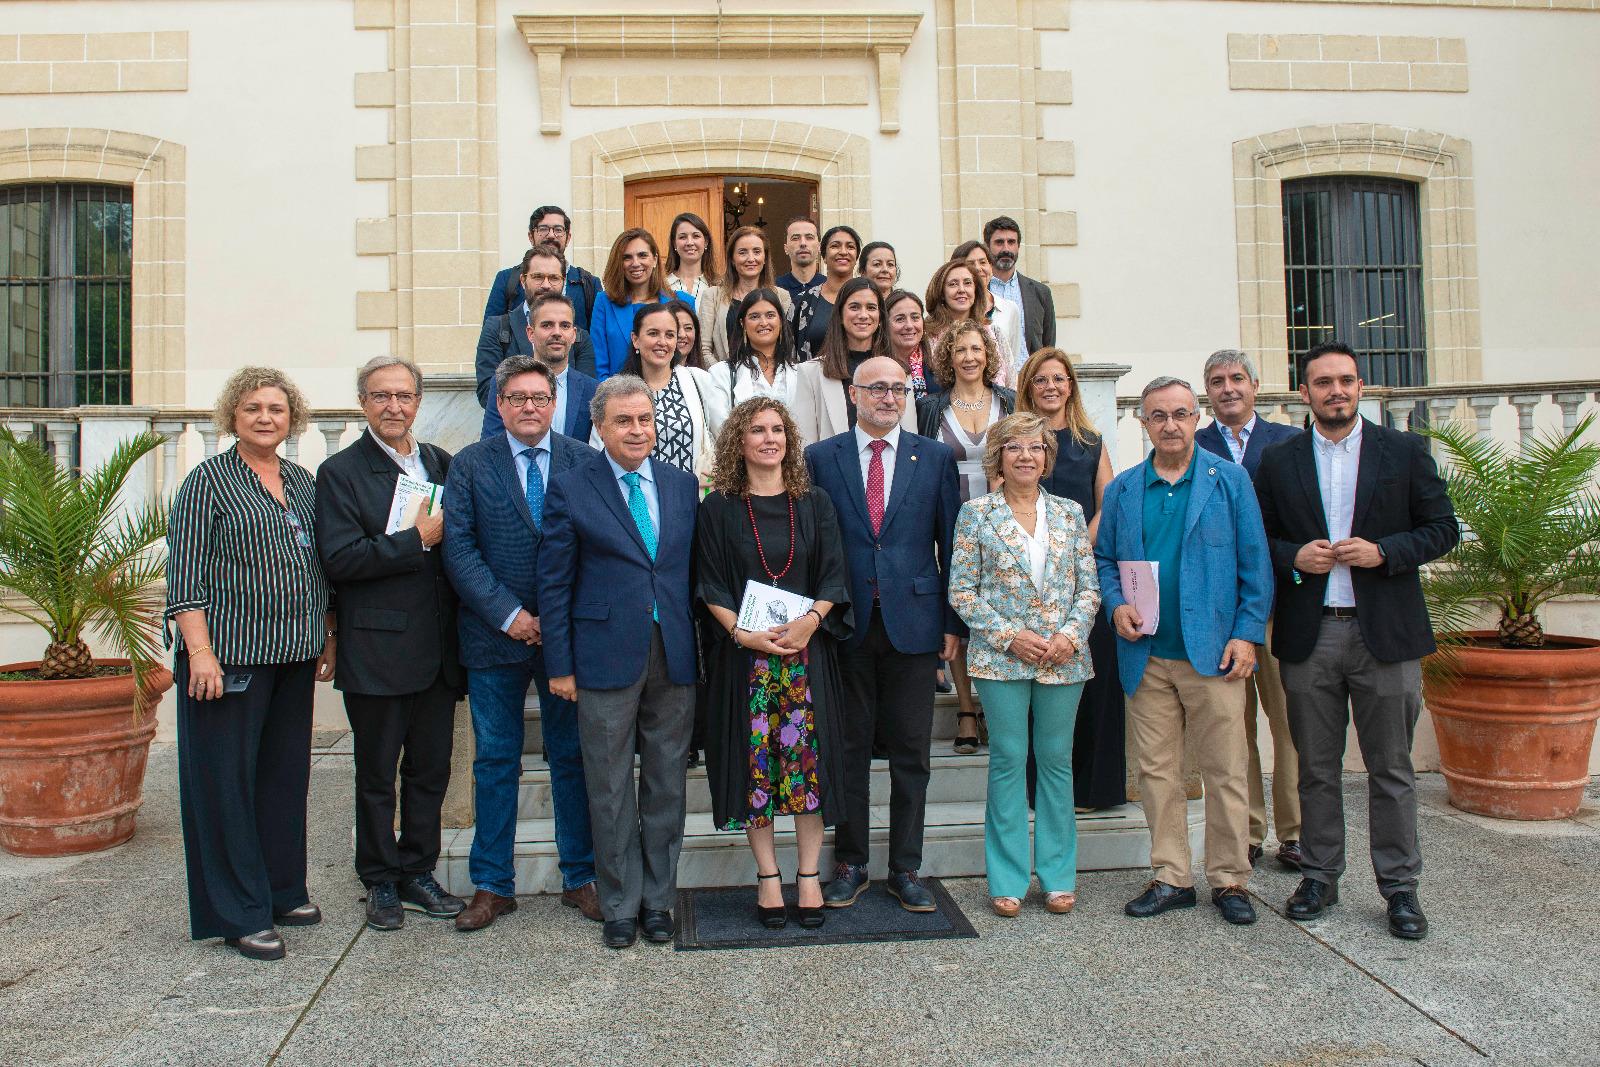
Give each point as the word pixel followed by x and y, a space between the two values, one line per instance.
pixel 953 839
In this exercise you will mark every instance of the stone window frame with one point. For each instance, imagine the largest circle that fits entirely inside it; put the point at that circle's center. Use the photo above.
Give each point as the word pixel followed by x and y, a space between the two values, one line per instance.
pixel 1440 164
pixel 155 169
pixel 604 162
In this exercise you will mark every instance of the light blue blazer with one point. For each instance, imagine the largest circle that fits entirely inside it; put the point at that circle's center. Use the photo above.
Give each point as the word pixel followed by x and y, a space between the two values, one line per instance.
pixel 1224 573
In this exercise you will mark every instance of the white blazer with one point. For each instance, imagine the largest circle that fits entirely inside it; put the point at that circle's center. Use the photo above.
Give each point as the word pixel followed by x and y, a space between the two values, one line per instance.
pixel 819 405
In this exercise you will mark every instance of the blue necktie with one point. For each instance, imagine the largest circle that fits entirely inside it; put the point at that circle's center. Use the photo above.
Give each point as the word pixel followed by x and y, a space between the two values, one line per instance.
pixel 535 491
pixel 640 510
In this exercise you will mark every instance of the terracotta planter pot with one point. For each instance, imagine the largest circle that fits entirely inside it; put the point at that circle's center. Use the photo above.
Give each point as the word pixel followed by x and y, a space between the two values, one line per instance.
pixel 1515 728
pixel 72 761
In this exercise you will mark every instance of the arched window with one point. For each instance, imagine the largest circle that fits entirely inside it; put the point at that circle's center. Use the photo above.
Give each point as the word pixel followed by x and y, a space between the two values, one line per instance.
pixel 66 295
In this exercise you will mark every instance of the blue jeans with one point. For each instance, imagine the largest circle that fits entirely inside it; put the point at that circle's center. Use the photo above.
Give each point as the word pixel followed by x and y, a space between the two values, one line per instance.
pixel 497 695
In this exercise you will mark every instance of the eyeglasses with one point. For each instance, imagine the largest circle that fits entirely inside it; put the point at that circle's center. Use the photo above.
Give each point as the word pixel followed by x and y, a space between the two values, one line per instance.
pixel 1040 381
pixel 540 401
pixel 879 390
pixel 1017 448
pixel 543 279
pixel 550 231
pixel 1161 418
pixel 382 398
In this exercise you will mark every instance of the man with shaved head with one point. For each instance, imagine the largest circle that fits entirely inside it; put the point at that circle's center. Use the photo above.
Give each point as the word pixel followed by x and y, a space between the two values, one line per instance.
pixel 897 499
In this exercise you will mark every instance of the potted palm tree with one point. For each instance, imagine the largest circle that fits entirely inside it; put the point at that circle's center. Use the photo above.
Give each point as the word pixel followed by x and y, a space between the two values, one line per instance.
pixel 75 733
pixel 1514 708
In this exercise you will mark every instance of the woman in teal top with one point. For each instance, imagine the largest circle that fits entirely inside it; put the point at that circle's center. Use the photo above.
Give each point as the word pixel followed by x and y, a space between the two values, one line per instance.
pixel 633 277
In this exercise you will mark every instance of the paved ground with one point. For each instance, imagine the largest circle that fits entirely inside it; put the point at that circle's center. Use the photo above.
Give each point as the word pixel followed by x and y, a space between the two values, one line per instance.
pixel 95 969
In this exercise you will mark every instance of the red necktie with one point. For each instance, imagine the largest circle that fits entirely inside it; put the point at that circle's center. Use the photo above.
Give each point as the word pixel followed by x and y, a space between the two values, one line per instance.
pixel 875 485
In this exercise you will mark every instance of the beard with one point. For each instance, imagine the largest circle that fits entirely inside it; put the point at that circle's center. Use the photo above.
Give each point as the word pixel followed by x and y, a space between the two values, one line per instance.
pixel 1005 260
pixel 1337 422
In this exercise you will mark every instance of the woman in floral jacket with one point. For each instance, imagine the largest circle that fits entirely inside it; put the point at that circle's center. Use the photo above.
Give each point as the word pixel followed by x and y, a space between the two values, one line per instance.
pixel 1022 576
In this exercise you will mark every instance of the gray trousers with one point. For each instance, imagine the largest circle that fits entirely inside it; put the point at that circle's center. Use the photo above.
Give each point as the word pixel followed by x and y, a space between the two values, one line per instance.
pixel 637 835
pixel 1338 682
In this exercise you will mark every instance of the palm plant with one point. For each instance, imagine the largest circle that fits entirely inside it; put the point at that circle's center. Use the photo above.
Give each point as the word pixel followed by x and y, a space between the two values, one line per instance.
pixel 1532 530
pixel 79 561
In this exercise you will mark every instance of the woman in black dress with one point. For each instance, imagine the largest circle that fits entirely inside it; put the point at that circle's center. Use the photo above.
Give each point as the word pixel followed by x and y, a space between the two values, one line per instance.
pixel 774 697
pixel 1048 386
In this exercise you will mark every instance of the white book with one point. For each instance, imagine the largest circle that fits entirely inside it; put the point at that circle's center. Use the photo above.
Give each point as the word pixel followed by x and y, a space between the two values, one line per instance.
pixel 411 497
pixel 765 606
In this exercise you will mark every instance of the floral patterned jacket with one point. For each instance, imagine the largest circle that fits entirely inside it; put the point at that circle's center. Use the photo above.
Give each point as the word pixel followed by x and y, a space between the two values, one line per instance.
pixel 991 588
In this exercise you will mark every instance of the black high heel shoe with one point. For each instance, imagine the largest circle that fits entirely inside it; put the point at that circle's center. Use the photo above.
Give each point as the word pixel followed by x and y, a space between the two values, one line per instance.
pixel 809 918
pixel 772 918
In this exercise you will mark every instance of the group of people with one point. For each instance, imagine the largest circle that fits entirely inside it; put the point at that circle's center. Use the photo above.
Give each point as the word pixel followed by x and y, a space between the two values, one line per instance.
pixel 609 538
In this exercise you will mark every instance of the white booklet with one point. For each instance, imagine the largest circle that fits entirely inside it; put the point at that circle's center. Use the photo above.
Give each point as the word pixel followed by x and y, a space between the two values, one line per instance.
pixel 765 606
pixel 1139 588
pixel 411 497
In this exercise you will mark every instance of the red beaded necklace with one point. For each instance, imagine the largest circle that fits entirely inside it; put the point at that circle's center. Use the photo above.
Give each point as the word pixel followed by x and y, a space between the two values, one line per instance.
pixel 760 550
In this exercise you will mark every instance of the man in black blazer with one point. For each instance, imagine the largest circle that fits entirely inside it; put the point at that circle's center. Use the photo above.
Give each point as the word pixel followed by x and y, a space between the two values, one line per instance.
pixel 511 333
pixel 1236 432
pixel 397 660
pixel 897 498
pixel 1003 237
pixel 1352 511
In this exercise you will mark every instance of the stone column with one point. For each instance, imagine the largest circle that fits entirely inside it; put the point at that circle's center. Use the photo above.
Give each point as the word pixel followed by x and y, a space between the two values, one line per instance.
pixel 1097 384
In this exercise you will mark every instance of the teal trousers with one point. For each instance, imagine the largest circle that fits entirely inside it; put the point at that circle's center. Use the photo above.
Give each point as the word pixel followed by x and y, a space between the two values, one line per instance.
pixel 1005 824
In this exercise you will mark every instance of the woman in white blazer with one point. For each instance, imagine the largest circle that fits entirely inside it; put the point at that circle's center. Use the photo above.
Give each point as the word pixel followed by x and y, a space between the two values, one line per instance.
pixel 749 269
pixel 821 406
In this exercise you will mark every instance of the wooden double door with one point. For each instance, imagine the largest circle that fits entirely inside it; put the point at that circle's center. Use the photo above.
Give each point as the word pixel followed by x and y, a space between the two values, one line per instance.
pixel 654 204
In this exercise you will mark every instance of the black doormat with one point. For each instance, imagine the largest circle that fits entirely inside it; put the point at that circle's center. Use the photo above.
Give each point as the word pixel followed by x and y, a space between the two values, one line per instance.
pixel 726 918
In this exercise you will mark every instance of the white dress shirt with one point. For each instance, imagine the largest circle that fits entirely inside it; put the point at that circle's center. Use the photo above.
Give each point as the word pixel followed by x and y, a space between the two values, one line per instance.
pixel 411 464
pixel 1337 464
pixel 1237 446
pixel 522 456
pixel 864 453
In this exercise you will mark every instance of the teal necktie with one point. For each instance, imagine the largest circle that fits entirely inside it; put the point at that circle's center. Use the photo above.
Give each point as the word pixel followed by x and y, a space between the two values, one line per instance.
pixel 640 510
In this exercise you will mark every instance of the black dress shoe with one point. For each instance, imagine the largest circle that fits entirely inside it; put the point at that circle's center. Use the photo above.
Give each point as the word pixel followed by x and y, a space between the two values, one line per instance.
pixel 1159 897
pixel 383 907
pixel 266 945
pixel 1311 899
pixel 1256 852
pixel 656 925
pixel 1234 904
pixel 912 894
pixel 1405 917
pixel 849 882
pixel 423 893
pixel 304 915
pixel 620 933
pixel 1289 855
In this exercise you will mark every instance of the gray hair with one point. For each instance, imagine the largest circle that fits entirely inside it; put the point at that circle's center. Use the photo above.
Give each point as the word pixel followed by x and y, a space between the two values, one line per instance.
pixel 512 366
pixel 1225 357
pixel 378 363
pixel 1166 381
pixel 616 387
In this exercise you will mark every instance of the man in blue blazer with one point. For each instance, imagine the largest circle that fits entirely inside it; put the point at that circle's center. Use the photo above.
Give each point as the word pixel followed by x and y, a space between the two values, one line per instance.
pixel 495 531
pixel 513 333
pixel 1195 515
pixel 616 590
pixel 1239 434
pixel 897 498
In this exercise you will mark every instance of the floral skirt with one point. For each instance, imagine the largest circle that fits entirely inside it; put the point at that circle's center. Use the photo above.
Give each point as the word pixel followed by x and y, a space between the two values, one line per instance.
pixel 783 742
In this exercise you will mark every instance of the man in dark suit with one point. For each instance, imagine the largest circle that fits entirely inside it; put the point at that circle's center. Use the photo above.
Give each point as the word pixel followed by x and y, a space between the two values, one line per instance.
pixel 897 528
pixel 1033 299
pixel 495 532
pixel 550 334
pixel 511 334
pixel 397 664
pixel 1238 433
pixel 619 639
pixel 548 225
pixel 1352 511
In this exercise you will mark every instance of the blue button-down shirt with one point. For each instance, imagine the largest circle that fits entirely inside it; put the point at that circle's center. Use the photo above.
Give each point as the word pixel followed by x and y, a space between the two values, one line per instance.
pixel 1012 291
pixel 647 483
pixel 1166 506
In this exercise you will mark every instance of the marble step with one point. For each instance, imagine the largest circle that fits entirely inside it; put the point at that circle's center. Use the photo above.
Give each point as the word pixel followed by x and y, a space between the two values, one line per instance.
pixel 1113 839
pixel 954 778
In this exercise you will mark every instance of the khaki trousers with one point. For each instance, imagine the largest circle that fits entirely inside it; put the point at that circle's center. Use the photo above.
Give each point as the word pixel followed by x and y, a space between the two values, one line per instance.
pixel 1265 689
pixel 1174 699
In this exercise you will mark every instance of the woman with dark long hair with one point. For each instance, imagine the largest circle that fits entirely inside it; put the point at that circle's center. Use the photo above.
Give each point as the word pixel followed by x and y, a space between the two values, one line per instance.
pixel 823 405
pixel 764 361
pixel 691 256
pixel 688 354
pixel 749 269
pixel 841 247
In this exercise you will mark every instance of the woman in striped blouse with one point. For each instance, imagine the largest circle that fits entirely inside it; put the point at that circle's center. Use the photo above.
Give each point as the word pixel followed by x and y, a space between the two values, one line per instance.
pixel 255 630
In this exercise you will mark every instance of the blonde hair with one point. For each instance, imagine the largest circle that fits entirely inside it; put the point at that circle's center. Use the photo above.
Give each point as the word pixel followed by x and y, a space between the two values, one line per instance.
pixel 247 380
pixel 1015 427
pixel 1077 416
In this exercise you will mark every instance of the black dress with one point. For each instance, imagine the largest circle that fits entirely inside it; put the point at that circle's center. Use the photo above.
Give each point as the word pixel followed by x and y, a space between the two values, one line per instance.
pixel 1098 776
pixel 726 557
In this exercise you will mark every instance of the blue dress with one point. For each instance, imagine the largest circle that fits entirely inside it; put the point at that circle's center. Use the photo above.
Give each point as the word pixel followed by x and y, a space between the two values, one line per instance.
pixel 611 330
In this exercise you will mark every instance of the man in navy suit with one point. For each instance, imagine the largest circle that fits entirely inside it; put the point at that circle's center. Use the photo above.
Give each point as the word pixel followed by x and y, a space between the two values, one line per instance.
pixel 616 591
pixel 1239 434
pixel 495 533
pixel 548 225
pixel 512 333
pixel 897 527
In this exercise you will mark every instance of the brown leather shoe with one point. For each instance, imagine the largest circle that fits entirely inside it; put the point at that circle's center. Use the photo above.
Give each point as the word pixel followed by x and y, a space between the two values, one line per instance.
pixel 485 908
pixel 586 900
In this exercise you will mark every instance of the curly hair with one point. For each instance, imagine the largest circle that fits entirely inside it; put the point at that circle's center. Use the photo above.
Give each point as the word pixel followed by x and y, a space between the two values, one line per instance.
pixel 730 476
pixel 247 380
pixel 1018 426
pixel 944 371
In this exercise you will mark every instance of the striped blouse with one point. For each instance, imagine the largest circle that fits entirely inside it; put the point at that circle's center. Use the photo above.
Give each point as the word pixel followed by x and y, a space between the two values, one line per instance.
pixel 250 564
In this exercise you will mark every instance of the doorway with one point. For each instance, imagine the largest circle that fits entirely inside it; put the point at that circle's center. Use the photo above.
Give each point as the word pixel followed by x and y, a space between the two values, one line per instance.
pixel 726 202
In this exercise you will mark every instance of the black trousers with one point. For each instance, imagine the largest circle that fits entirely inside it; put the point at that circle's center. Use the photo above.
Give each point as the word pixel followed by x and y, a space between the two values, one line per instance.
pixel 413 731
pixel 890 695
pixel 244 770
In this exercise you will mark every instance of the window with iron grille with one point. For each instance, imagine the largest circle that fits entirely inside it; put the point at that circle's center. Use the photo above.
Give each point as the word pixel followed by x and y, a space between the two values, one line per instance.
pixel 1352 253
pixel 66 295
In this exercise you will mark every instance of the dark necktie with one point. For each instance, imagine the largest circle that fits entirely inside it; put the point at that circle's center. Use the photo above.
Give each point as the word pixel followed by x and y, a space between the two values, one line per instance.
pixel 875 486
